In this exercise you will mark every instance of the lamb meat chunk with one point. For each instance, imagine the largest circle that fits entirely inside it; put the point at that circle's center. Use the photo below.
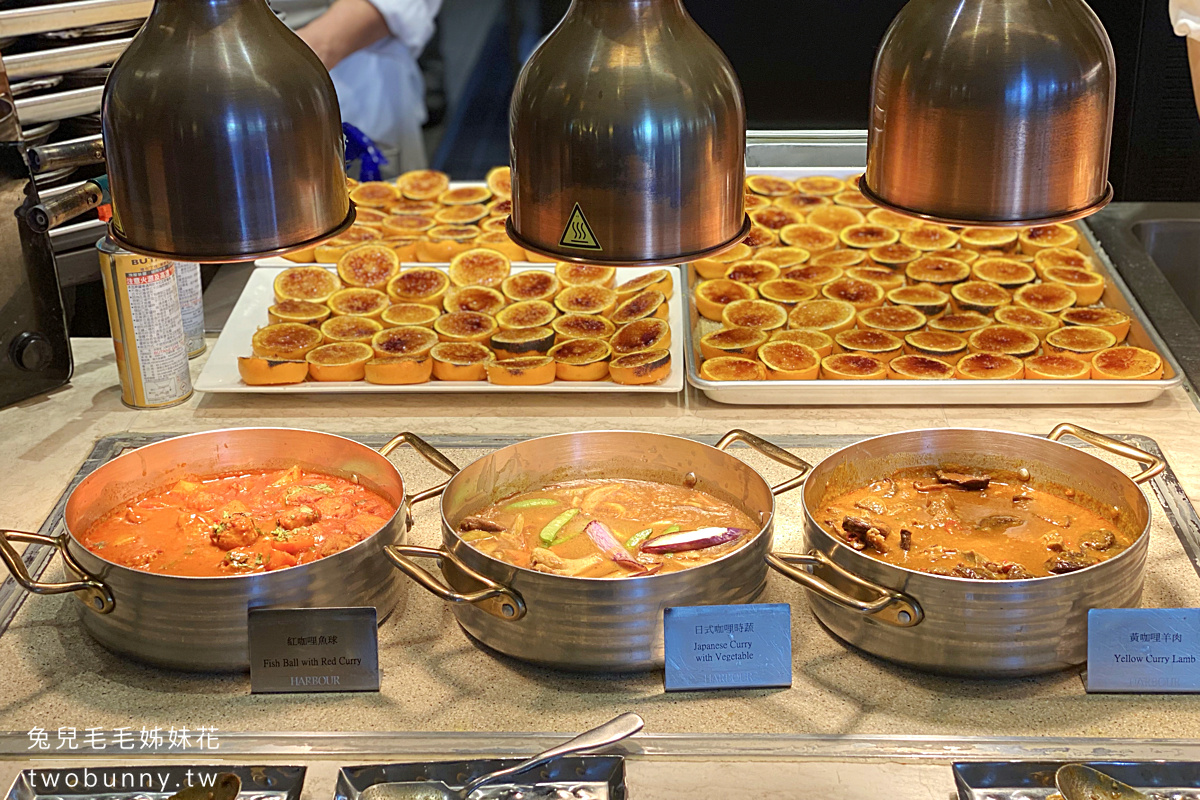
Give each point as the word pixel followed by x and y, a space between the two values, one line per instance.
pixel 875 539
pixel 962 480
pixel 861 534
pixel 941 507
pixel 1099 540
pixel 873 506
pixel 1063 563
pixel 977 573
pixel 999 523
pixel 1054 542
pixel 1008 569
pixel 860 525
pixel 905 539
pixel 479 524
pixel 1018 573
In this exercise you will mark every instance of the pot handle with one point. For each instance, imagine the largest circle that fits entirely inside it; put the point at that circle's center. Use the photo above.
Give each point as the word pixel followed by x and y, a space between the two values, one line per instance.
pixel 496 599
pixel 773 452
pixel 95 594
pixel 1156 464
pixel 890 607
pixel 430 454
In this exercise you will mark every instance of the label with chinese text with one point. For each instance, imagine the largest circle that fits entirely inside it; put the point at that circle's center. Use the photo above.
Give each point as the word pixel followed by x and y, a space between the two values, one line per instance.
pixel 313 650
pixel 1154 650
pixel 728 647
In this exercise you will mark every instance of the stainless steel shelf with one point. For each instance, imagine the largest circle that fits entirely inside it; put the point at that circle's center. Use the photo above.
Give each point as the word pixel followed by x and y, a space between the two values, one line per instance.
pixel 65 16
pixel 805 148
pixel 23 66
pixel 60 105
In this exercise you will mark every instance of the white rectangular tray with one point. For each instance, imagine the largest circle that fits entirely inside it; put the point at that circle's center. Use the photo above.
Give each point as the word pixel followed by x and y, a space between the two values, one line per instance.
pixel 953 392
pixel 220 374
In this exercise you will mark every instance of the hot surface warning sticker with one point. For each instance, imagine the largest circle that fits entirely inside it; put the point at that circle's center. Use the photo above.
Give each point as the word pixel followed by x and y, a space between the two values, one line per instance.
pixel 578 233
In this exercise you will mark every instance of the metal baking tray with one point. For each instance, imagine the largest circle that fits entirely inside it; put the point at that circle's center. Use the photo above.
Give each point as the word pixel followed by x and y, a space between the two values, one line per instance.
pixel 136 781
pixel 566 778
pixel 955 392
pixel 1034 780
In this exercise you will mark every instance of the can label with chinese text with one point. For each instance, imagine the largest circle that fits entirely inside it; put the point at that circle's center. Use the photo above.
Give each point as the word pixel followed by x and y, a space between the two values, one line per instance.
pixel 191 303
pixel 147 327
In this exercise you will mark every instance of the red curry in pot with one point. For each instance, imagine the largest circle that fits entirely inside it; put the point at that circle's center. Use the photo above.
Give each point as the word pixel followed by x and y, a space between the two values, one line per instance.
pixel 240 523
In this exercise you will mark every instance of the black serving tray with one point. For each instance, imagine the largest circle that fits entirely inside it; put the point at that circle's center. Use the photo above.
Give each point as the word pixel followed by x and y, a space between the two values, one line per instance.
pixel 149 782
pixel 600 776
pixel 1034 780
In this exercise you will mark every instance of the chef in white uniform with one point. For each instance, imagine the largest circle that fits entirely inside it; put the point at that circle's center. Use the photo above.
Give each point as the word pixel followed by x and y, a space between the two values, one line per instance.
pixel 370 48
pixel 1185 18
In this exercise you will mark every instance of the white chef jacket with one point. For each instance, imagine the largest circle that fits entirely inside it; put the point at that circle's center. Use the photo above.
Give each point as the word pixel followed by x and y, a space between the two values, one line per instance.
pixel 1185 17
pixel 380 88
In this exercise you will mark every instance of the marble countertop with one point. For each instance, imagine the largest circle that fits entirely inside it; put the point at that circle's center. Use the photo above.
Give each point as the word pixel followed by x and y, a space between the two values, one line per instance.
pixel 47 438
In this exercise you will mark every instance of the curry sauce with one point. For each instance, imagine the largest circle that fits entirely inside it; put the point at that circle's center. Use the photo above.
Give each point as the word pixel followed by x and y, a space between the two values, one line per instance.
pixel 553 529
pixel 237 524
pixel 970 524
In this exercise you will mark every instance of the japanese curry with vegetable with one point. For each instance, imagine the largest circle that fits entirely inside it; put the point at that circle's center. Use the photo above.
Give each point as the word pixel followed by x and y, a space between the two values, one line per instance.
pixel 253 521
pixel 990 526
pixel 608 528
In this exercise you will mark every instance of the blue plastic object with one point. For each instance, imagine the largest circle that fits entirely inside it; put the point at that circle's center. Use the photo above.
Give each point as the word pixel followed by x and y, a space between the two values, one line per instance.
pixel 360 148
pixel 102 182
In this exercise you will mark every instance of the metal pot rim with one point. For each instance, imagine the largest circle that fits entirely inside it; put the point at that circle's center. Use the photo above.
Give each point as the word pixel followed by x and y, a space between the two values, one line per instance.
pixel 262 576
pixel 905 574
pixel 525 571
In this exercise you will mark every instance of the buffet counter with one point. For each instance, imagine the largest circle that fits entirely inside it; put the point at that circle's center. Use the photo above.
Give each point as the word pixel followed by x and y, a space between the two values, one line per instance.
pixel 661 767
pixel 436 679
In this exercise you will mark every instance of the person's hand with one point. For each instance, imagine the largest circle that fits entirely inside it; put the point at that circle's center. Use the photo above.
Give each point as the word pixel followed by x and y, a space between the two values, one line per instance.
pixel 345 28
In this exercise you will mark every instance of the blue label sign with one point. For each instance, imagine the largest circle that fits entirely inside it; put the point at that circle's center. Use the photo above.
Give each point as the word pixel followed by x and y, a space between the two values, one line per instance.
pixel 1152 650
pixel 728 647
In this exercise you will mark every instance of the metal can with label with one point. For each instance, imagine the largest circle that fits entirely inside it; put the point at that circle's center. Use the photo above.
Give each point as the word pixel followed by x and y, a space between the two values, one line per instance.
pixel 142 296
pixel 191 304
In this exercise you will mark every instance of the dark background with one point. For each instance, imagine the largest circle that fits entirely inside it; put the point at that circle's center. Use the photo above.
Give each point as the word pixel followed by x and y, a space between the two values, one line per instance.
pixel 807 64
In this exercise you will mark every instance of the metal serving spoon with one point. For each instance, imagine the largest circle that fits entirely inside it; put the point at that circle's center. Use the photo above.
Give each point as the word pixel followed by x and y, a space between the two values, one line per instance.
pixel 1079 782
pixel 609 733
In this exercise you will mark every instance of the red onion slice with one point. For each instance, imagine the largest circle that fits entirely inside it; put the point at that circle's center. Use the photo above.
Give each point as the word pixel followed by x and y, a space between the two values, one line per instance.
pixel 599 533
pixel 691 540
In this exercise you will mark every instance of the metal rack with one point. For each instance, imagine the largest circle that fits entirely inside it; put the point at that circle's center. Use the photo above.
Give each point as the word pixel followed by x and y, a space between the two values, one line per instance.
pixel 71 244
pixel 36 97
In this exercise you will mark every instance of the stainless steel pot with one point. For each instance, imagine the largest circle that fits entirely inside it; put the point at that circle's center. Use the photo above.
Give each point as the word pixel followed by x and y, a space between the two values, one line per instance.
pixel 595 624
pixel 976 628
pixel 200 623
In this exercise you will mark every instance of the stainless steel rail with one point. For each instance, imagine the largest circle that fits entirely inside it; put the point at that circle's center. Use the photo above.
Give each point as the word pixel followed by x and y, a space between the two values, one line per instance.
pixel 60 105
pixel 23 66
pixel 63 16
pixel 812 148
pixel 1114 229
